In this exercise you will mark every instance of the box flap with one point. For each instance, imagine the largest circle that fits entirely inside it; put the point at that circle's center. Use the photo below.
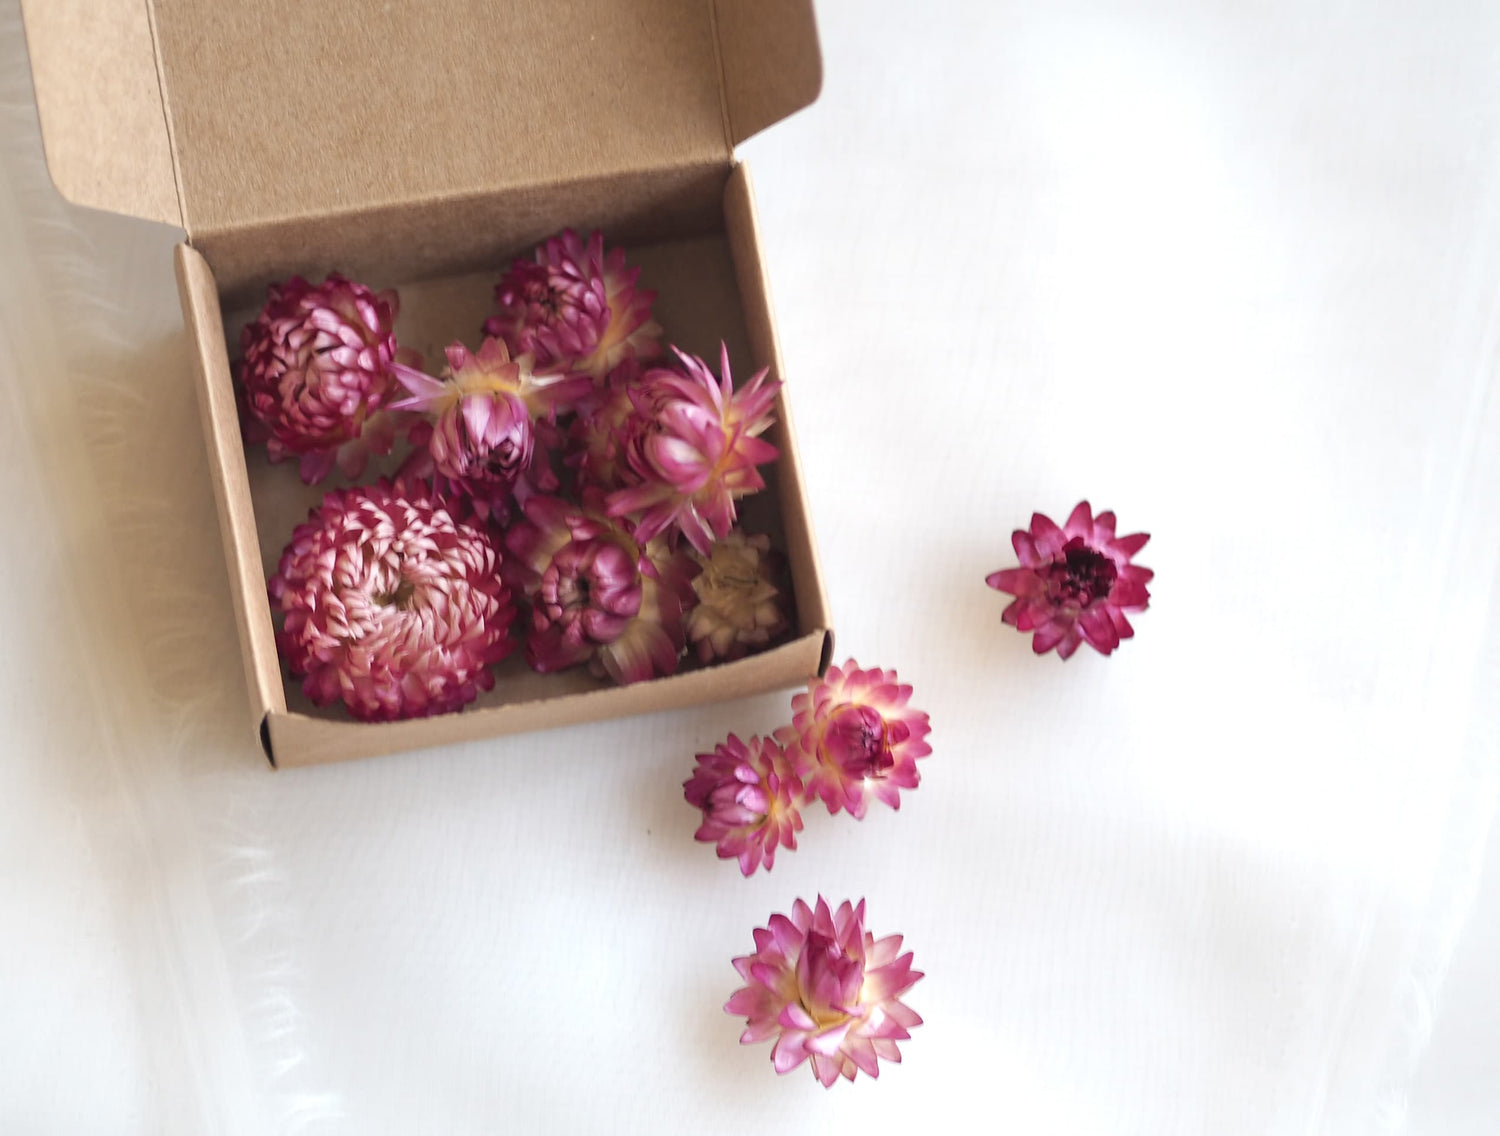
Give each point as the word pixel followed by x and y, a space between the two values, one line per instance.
pixel 770 61
pixel 278 110
pixel 100 105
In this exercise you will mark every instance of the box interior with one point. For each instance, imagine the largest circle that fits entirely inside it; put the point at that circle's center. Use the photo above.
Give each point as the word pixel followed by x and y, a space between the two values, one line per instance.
pixel 699 281
pixel 697 302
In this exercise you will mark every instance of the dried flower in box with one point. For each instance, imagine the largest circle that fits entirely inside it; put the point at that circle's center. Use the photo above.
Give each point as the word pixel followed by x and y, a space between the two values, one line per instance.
pixel 699 451
pixel 599 594
pixel 739 608
pixel 484 415
pixel 391 605
pixel 315 372
pixel 576 305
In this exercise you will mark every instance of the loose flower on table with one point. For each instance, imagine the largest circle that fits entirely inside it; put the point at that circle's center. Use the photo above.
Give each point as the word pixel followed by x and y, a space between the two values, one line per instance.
pixel 1075 583
pixel 827 990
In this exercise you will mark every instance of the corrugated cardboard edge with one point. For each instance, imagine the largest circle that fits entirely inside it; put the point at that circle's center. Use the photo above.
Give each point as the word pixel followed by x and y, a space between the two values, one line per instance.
pixel 99 99
pixel 299 739
pixel 770 64
pixel 742 226
pixel 231 481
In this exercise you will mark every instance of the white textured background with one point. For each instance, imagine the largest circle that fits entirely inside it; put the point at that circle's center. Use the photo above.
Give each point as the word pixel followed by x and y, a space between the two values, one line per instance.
pixel 1231 269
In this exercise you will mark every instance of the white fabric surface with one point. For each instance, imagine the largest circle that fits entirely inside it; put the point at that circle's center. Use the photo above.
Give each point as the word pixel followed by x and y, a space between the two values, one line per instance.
pixel 1232 270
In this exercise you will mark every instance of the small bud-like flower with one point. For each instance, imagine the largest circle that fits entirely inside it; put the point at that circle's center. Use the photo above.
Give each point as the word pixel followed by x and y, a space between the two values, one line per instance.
pixel 485 412
pixel 739 606
pixel 748 794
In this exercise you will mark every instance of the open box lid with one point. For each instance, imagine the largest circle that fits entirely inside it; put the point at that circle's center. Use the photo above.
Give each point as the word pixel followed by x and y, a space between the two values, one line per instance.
pixel 224 116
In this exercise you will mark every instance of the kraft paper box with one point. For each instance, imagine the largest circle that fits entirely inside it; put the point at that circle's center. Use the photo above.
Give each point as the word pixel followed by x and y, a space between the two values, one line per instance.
pixel 423 144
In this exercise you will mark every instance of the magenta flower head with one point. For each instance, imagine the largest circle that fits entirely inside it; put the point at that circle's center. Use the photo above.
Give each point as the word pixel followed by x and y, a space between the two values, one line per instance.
pixel 609 424
pixel 483 412
pixel 316 366
pixel 598 595
pixel 576 305
pixel 700 452
pixel 854 737
pixel 740 608
pixel 826 989
pixel 391 605
pixel 748 794
pixel 1075 583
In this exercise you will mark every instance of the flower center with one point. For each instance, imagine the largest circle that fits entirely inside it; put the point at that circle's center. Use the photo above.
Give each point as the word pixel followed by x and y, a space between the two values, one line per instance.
pixel 860 741
pixel 401 597
pixel 1082 576
pixel 828 980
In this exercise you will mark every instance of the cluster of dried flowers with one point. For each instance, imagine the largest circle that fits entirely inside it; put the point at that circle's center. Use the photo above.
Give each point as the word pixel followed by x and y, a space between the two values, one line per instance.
pixel 854 738
pixel 820 983
pixel 569 470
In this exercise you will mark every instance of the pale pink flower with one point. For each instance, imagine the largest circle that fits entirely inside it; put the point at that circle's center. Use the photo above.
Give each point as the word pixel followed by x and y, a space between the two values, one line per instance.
pixel 598 595
pixel 699 455
pixel 826 989
pixel 740 608
pixel 854 737
pixel 391 605
pixel 576 305
pixel 1075 583
pixel 316 367
pixel 485 412
pixel 749 796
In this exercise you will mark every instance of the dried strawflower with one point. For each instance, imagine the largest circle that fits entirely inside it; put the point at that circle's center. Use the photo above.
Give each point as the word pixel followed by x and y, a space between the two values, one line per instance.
pixel 484 414
pixel 316 367
pixel 700 452
pixel 739 606
pixel 749 797
pixel 1075 583
pixel 391 605
pixel 609 423
pixel 826 989
pixel 598 594
pixel 854 737
pixel 576 305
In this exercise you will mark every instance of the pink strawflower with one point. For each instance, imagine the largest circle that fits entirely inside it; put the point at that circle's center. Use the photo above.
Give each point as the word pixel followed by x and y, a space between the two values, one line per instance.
pixel 748 794
pixel 316 366
pixel 826 989
pixel 739 608
pixel 598 595
pixel 1075 583
pixel 854 737
pixel 699 455
pixel 609 423
pixel 485 413
pixel 391 605
pixel 576 305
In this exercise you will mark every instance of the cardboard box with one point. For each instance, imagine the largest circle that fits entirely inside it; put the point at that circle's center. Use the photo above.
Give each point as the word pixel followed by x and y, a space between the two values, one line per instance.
pixel 422 145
